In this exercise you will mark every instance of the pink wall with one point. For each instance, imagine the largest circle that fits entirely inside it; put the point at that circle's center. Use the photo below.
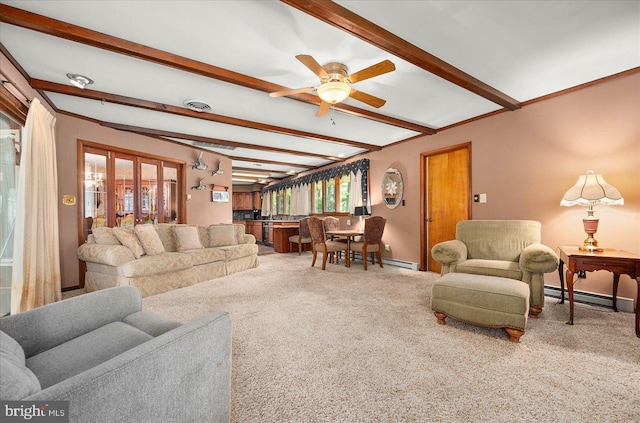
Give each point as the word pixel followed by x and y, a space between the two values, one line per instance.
pixel 525 161
pixel 200 209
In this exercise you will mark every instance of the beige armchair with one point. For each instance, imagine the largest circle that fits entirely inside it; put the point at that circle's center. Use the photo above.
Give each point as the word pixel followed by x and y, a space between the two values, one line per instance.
pixel 504 248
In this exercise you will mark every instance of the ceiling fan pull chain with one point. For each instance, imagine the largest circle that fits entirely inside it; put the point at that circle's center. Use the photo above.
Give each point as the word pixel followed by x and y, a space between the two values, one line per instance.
pixel 333 122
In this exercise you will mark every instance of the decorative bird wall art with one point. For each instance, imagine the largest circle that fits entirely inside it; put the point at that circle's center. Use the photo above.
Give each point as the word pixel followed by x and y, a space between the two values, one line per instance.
pixel 200 185
pixel 219 171
pixel 199 164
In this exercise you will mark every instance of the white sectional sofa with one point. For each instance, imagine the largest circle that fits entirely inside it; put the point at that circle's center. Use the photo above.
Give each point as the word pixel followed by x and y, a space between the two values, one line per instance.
pixel 160 258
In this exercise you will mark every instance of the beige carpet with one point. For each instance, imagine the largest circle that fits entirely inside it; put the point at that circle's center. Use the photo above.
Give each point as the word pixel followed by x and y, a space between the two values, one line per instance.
pixel 346 345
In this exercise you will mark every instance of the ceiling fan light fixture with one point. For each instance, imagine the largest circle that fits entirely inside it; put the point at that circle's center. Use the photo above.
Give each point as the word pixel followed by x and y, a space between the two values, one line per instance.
pixel 79 81
pixel 334 92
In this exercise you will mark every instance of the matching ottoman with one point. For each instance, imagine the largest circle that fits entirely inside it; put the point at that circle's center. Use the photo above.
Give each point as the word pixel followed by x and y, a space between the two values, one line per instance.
pixel 482 300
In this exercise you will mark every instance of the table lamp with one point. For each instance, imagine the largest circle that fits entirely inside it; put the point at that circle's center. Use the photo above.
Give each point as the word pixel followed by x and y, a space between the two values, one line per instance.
pixel 589 190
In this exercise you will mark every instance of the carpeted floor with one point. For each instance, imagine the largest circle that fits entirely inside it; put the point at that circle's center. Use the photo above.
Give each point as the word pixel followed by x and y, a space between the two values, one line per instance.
pixel 344 345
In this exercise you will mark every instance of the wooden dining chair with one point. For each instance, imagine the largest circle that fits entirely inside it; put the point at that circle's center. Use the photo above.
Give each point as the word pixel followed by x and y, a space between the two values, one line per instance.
pixel 303 236
pixel 373 230
pixel 331 223
pixel 321 243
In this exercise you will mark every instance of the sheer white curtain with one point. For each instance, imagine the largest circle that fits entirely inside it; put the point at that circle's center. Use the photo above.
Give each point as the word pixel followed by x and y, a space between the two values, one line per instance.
pixel 36 260
pixel 300 200
pixel 356 198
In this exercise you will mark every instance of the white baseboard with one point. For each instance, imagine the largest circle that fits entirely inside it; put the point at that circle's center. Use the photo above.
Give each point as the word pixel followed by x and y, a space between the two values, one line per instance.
pixel 624 304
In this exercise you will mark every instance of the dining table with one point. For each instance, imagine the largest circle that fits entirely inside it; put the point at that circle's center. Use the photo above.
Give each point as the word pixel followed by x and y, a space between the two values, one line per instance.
pixel 349 234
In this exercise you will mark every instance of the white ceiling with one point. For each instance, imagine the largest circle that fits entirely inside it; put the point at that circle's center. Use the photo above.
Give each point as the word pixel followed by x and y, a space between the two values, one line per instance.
pixel 524 49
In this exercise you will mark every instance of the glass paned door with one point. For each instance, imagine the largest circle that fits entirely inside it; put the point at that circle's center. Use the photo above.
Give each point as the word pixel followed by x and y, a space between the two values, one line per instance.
pixel 95 191
pixel 169 194
pixel 149 193
pixel 125 189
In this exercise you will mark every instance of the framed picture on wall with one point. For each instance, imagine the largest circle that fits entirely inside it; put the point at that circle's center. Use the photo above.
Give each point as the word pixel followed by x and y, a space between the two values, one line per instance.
pixel 220 196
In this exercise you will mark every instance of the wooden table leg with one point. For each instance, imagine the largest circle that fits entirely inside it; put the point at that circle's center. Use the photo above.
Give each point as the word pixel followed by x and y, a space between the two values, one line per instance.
pixel 636 307
pixel 570 289
pixel 560 273
pixel 616 280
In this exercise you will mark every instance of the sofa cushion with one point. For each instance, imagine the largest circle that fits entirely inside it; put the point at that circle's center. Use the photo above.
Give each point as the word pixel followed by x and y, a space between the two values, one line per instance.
pixel 167 236
pixel 232 252
pixel 85 352
pixel 128 238
pixel 206 255
pixel 104 236
pixel 149 239
pixel 240 231
pixel 221 235
pixel 500 268
pixel 17 381
pixel 187 238
pixel 160 263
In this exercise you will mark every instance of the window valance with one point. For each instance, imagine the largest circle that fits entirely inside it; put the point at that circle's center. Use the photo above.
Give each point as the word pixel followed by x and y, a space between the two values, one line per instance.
pixel 322 175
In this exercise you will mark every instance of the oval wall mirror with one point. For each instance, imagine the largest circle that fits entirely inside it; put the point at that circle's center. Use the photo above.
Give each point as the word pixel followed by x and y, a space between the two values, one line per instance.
pixel 392 188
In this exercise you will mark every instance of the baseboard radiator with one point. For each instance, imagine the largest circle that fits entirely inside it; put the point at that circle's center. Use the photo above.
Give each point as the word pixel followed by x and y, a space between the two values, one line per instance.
pixel 624 304
pixel 391 262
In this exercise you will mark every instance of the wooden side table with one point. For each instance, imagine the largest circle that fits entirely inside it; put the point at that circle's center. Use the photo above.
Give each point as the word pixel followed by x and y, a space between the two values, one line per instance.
pixel 618 262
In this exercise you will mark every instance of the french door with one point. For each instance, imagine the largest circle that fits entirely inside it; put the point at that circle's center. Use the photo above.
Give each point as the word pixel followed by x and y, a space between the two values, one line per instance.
pixel 126 188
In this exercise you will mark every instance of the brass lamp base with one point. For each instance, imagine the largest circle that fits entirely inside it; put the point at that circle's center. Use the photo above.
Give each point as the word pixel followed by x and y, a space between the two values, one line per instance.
pixel 590 227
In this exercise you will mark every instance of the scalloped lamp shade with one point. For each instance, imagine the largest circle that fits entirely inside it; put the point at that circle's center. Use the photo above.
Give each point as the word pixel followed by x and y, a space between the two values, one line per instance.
pixel 589 190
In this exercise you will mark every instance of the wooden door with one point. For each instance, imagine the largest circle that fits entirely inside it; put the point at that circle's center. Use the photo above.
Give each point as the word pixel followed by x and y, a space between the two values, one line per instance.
pixel 446 193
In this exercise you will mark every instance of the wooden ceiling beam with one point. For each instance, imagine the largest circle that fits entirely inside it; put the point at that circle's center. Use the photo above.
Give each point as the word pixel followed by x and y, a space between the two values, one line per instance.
pixel 67 31
pixel 170 134
pixel 181 111
pixel 342 18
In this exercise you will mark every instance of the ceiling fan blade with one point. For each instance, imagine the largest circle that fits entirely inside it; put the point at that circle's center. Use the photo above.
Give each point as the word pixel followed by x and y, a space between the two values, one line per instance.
pixel 323 109
pixel 375 70
pixel 313 65
pixel 367 98
pixel 292 91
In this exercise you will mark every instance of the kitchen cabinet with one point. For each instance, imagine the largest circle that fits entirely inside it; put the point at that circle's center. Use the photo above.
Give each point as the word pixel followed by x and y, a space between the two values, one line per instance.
pixel 281 233
pixel 246 200
pixel 254 227
pixel 242 201
pixel 257 200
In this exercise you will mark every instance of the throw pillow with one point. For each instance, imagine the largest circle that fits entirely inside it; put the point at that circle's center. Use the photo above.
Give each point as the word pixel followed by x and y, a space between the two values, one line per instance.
pixel 149 239
pixel 221 235
pixel 128 238
pixel 17 381
pixel 240 230
pixel 104 236
pixel 187 238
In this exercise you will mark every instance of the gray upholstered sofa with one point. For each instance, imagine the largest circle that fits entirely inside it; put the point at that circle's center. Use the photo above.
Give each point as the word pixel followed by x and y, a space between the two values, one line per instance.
pixel 503 248
pixel 160 258
pixel 115 363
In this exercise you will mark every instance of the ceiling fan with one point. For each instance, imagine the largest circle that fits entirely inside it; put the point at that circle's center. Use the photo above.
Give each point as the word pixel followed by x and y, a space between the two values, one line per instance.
pixel 335 83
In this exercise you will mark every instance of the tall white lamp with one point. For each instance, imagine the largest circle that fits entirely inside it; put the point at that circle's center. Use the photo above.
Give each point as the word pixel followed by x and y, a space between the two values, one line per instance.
pixel 589 190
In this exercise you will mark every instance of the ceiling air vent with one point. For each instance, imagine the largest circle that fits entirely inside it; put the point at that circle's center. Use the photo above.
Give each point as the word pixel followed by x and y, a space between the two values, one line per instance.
pixel 197 105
